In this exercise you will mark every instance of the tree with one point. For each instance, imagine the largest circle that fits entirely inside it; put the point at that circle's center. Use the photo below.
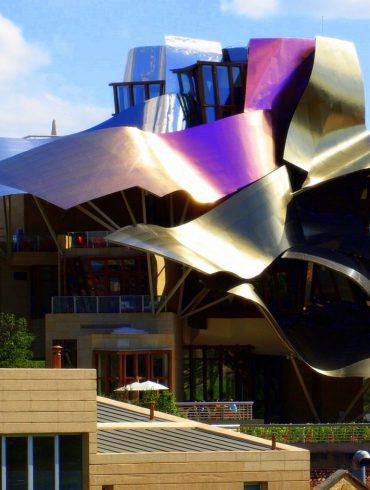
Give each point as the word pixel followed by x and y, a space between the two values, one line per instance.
pixel 163 402
pixel 15 342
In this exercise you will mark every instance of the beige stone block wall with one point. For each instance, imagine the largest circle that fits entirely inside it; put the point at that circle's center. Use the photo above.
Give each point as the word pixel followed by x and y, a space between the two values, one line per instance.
pixel 50 401
pixel 279 470
pixel 53 401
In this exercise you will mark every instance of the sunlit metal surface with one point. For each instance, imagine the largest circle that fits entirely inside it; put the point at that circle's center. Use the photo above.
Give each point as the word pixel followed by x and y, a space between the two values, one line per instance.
pixel 145 63
pixel 332 260
pixel 161 114
pixel 13 146
pixel 360 368
pixel 271 66
pixel 327 136
pixel 307 96
pixel 242 235
pixel 183 51
pixel 112 159
pixel 157 62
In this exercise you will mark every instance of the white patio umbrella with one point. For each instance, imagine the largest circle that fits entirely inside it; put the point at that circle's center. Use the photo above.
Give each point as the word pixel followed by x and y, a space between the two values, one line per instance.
pixel 151 385
pixel 136 386
pixel 144 386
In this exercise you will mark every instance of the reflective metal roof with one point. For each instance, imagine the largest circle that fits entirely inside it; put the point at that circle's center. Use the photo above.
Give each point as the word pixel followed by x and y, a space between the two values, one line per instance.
pixel 171 440
pixel 107 412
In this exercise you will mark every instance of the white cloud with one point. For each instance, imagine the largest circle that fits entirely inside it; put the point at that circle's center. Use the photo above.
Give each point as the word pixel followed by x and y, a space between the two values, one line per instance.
pixel 22 115
pixel 17 56
pixel 28 106
pixel 250 8
pixel 330 9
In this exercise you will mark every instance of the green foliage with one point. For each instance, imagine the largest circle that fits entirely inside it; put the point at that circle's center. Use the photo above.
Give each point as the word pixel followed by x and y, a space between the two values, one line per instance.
pixel 15 342
pixel 163 402
pixel 311 433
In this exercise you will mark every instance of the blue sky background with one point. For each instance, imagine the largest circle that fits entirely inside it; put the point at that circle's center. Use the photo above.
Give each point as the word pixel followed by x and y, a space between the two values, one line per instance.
pixel 57 57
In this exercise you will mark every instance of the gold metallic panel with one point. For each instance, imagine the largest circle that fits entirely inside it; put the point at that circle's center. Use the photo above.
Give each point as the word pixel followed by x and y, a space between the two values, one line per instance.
pixel 242 235
pixel 327 136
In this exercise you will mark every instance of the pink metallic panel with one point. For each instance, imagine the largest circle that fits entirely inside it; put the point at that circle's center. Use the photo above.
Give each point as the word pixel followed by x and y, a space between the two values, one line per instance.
pixel 208 161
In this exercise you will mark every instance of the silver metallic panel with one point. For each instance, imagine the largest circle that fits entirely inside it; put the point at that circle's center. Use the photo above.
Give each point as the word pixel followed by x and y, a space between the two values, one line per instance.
pixel 242 235
pixel 161 114
pixel 146 63
pixel 184 51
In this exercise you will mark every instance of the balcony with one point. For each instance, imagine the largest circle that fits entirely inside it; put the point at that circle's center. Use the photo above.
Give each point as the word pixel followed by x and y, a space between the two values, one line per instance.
pixel 217 412
pixel 104 304
pixel 32 243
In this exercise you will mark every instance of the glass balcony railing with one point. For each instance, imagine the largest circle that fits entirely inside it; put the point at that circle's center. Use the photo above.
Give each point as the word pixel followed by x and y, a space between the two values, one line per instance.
pixel 104 304
pixel 33 243
pixel 86 239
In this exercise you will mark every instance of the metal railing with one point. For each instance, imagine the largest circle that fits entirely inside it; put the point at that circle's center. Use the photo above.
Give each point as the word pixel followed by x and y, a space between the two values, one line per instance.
pixel 104 304
pixel 32 243
pixel 88 239
pixel 210 412
pixel 311 433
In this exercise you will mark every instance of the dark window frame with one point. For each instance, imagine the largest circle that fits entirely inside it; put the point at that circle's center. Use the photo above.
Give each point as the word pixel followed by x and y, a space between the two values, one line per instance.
pixel 131 85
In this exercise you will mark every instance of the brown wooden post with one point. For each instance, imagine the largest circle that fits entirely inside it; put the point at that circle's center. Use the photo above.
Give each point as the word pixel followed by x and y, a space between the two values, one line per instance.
pixel 273 441
pixel 151 408
pixel 57 356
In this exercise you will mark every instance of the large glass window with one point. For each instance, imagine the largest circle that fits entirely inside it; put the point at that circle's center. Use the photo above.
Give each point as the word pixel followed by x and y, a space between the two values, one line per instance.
pixel 128 94
pixel 16 463
pixel 40 462
pixel 208 85
pixel 119 368
pixel 107 277
pixel 70 454
pixel 43 463
pixel 139 94
pixel 216 373
pixel 224 94
pixel 217 90
pixel 123 93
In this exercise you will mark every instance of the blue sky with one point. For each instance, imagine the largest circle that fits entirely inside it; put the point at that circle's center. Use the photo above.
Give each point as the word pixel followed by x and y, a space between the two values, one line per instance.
pixel 57 57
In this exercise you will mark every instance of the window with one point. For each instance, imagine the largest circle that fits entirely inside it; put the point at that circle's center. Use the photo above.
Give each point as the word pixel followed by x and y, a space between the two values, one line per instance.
pixel 16 463
pixel 116 369
pixel 128 94
pixel 70 458
pixel 253 486
pixel 216 373
pixel 42 462
pixel 217 89
pixel 107 277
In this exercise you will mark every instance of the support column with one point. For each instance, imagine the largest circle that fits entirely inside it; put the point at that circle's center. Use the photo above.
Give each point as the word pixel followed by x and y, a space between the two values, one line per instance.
pixel 361 392
pixel 304 388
